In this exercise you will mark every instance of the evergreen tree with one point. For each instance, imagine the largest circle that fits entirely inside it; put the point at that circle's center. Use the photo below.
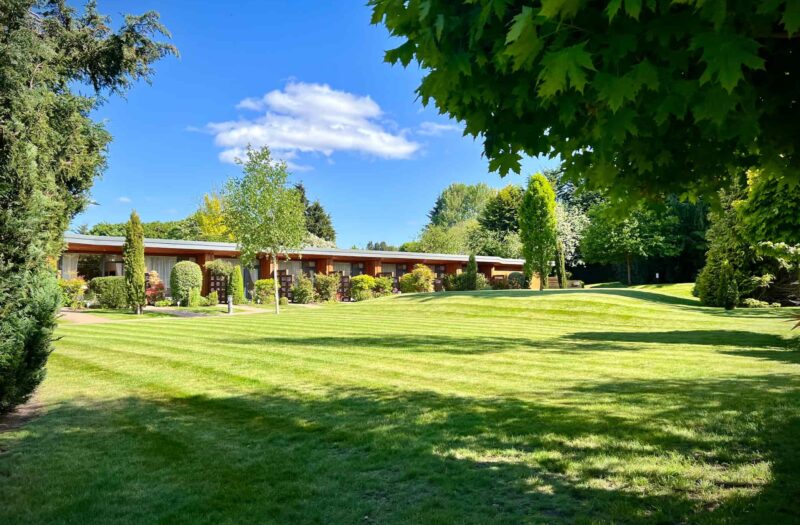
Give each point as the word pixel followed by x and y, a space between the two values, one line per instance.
pixel 50 153
pixel 237 285
pixel 561 270
pixel 538 228
pixel 319 223
pixel 133 257
pixel 471 274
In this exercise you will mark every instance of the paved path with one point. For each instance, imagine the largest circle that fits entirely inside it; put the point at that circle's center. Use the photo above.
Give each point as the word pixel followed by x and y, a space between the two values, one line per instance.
pixel 82 317
pixel 87 317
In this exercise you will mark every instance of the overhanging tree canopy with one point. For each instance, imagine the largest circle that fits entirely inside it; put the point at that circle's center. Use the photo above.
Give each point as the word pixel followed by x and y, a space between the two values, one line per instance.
pixel 638 98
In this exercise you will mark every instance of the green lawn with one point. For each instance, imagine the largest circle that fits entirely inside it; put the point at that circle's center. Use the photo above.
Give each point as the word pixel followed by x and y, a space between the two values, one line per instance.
pixel 575 406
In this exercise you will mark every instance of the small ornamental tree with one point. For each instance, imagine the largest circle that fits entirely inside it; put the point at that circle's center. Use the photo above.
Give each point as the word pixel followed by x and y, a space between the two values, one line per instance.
pixel 537 221
pixel 262 213
pixel 133 257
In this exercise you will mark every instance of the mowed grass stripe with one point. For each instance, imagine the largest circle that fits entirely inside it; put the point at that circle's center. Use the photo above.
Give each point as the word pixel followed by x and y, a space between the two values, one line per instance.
pixel 324 370
pixel 500 364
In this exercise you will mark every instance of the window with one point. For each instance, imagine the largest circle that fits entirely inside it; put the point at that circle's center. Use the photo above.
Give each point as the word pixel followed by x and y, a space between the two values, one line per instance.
pixel 356 269
pixel 440 270
pixel 90 266
pixel 309 268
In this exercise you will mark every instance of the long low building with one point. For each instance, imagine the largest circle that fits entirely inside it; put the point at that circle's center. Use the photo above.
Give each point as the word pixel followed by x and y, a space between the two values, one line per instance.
pixel 90 256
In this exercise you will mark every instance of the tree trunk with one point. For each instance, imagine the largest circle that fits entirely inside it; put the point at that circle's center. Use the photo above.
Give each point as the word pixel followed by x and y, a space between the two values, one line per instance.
pixel 275 278
pixel 628 261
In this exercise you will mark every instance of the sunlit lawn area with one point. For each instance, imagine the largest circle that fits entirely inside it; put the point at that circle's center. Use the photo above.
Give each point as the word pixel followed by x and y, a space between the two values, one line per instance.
pixel 576 406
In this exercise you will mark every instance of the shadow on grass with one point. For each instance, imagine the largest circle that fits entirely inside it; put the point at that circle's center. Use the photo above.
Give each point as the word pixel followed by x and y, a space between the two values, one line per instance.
pixel 740 338
pixel 499 294
pixel 472 345
pixel 365 456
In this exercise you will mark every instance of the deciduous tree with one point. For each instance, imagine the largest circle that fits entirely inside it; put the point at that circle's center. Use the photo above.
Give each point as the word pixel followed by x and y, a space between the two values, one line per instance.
pixel 501 213
pixel 460 202
pixel 211 220
pixel 537 221
pixel 611 238
pixel 262 212
pixel 643 99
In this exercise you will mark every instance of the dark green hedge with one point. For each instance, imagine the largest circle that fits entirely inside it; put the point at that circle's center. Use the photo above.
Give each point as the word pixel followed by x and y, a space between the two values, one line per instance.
pixel 109 291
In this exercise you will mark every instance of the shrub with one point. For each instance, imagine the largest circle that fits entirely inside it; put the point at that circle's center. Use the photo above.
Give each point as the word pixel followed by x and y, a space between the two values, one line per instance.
pixel 450 282
pixel 110 292
pixel 163 302
pixel 464 282
pixel 418 280
pixel 500 284
pixel 237 285
pixel 155 288
pixel 383 286
pixel 326 286
pixel 283 301
pixel 195 299
pixel 517 281
pixel 185 276
pixel 361 287
pixel 265 291
pixel 25 340
pixel 303 290
pixel 750 302
pixel 72 292
pixel 213 298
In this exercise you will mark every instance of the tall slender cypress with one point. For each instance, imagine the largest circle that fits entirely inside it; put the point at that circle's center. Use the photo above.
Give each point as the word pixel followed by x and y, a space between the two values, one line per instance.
pixel 133 257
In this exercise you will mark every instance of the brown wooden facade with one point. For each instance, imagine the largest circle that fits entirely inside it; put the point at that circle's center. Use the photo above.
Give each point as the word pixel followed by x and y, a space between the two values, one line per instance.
pixel 311 260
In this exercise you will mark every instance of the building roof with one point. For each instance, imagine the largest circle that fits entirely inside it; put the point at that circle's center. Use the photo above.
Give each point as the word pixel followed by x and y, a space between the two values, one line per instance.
pixel 209 246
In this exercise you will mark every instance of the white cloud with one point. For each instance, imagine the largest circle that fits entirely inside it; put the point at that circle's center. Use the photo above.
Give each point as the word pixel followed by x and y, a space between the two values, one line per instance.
pixel 124 199
pixel 434 129
pixel 311 118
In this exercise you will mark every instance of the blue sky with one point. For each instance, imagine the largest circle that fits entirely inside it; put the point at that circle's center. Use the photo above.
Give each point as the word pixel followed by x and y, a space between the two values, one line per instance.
pixel 306 78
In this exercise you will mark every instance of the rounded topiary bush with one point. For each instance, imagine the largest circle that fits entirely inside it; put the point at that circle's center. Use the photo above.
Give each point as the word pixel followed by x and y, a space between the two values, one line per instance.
pixel 185 276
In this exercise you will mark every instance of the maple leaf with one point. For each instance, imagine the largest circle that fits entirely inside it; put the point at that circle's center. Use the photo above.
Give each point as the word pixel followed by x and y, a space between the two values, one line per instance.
pixel 559 67
pixel 725 54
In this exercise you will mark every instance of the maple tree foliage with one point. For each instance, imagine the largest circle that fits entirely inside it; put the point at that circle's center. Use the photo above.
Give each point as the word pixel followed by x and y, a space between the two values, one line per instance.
pixel 638 98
